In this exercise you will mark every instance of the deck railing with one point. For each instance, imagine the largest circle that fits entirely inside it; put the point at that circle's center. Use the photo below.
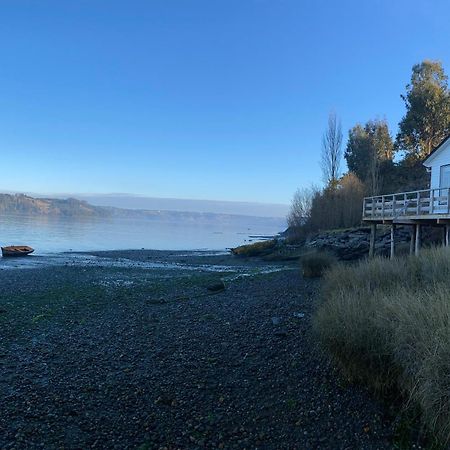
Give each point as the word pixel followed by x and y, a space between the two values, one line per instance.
pixel 407 204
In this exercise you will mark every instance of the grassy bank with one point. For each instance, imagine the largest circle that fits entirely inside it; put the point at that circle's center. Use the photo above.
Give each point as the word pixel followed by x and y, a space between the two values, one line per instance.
pixel 387 324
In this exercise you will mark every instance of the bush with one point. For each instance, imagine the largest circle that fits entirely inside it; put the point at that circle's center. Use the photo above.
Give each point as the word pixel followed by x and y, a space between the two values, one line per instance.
pixel 337 206
pixel 387 324
pixel 257 249
pixel 316 263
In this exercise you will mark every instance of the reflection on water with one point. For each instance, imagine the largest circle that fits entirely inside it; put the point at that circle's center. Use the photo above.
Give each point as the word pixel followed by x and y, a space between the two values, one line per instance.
pixel 51 234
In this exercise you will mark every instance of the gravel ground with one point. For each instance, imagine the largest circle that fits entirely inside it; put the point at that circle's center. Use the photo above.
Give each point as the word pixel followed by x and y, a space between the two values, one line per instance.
pixel 118 358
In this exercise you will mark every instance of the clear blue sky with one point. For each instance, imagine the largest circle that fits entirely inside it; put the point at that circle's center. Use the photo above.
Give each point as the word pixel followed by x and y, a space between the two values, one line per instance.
pixel 203 99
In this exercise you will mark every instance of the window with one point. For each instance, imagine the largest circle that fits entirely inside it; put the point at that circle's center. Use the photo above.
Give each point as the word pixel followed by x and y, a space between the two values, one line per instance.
pixel 445 177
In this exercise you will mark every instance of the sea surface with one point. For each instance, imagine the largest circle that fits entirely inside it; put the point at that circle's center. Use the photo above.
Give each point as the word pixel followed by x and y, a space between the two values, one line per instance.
pixel 48 235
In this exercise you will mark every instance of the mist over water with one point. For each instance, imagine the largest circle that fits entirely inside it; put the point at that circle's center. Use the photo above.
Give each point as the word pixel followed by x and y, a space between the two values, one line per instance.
pixel 55 234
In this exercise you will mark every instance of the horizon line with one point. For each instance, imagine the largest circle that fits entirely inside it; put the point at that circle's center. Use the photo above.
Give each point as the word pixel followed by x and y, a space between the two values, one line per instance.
pixel 142 196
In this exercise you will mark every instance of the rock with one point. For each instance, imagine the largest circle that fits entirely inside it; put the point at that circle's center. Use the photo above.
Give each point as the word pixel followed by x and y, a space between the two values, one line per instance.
pixel 276 320
pixel 354 244
pixel 281 332
pixel 216 287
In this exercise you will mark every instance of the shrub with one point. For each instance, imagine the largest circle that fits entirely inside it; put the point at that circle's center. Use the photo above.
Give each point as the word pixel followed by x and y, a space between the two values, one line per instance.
pixel 387 324
pixel 257 249
pixel 316 263
pixel 338 206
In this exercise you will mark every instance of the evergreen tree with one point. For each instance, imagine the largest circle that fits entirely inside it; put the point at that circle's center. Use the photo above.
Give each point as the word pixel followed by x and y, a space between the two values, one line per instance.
pixel 369 151
pixel 427 119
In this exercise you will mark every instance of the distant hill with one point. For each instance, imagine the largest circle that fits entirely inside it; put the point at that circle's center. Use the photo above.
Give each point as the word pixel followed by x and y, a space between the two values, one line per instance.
pixel 130 201
pixel 71 207
pixel 74 208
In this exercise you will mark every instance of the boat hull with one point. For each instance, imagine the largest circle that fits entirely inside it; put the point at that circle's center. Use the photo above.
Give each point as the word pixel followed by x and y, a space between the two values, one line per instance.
pixel 17 250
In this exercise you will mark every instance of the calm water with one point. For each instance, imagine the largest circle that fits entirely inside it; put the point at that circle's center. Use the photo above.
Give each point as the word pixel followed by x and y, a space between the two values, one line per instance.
pixel 49 234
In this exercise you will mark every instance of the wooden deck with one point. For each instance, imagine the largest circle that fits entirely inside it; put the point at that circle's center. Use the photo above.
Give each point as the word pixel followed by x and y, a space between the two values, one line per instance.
pixel 428 205
pixel 416 208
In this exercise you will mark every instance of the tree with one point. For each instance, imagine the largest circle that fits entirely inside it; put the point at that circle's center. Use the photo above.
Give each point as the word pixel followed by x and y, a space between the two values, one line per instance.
pixel 369 150
pixel 300 210
pixel 339 206
pixel 427 119
pixel 351 194
pixel 332 151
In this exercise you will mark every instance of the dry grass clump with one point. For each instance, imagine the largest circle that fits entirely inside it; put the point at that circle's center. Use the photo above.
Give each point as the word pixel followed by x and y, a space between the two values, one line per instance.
pixel 256 249
pixel 387 324
pixel 315 264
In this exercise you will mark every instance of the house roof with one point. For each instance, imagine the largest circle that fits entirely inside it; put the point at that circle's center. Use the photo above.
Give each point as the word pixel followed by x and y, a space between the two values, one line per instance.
pixel 437 149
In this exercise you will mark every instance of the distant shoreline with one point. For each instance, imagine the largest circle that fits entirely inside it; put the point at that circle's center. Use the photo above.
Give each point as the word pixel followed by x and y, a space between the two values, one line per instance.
pixel 21 204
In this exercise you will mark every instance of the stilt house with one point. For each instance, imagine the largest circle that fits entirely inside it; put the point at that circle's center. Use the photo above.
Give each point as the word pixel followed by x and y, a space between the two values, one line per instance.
pixel 415 208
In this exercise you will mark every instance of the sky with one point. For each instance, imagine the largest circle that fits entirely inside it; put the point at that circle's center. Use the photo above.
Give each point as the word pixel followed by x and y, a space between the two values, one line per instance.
pixel 198 99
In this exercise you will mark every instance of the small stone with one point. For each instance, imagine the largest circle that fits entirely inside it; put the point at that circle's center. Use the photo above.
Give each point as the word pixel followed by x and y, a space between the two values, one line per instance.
pixel 216 287
pixel 281 332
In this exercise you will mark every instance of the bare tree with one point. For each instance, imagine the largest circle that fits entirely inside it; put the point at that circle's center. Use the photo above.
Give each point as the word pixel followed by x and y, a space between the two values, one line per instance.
pixel 301 204
pixel 332 150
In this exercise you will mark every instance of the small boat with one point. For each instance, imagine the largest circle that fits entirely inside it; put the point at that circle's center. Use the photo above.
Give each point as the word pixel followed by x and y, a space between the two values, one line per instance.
pixel 17 250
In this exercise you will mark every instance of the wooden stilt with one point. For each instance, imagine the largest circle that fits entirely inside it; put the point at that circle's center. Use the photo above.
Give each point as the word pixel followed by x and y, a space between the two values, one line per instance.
pixel 373 234
pixel 412 242
pixel 392 241
pixel 417 246
pixel 447 235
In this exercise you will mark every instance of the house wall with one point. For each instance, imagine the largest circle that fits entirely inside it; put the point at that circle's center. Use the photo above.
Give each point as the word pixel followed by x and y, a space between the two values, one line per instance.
pixel 442 158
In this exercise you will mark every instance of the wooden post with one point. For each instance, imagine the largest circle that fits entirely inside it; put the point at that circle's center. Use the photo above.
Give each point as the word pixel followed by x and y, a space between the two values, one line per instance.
pixel 447 235
pixel 448 201
pixel 412 242
pixel 431 201
pixel 417 246
pixel 392 241
pixel 373 234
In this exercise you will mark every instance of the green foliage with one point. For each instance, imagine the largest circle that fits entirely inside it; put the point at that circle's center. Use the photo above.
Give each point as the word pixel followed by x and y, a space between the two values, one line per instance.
pixel 369 152
pixel 316 263
pixel 387 324
pixel 427 119
pixel 409 174
pixel 369 156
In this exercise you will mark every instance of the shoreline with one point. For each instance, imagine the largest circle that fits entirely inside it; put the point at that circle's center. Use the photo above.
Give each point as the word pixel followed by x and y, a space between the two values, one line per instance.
pixel 120 356
pixel 146 259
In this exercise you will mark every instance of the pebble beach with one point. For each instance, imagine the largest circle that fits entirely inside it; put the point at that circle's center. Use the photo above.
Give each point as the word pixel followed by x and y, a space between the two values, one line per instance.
pixel 131 350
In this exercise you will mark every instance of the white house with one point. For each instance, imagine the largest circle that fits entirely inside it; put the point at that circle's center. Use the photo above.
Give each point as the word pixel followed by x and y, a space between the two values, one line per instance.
pixel 425 207
pixel 438 162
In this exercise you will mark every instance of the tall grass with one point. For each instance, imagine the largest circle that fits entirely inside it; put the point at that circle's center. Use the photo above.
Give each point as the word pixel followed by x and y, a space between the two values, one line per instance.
pixel 315 264
pixel 387 324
